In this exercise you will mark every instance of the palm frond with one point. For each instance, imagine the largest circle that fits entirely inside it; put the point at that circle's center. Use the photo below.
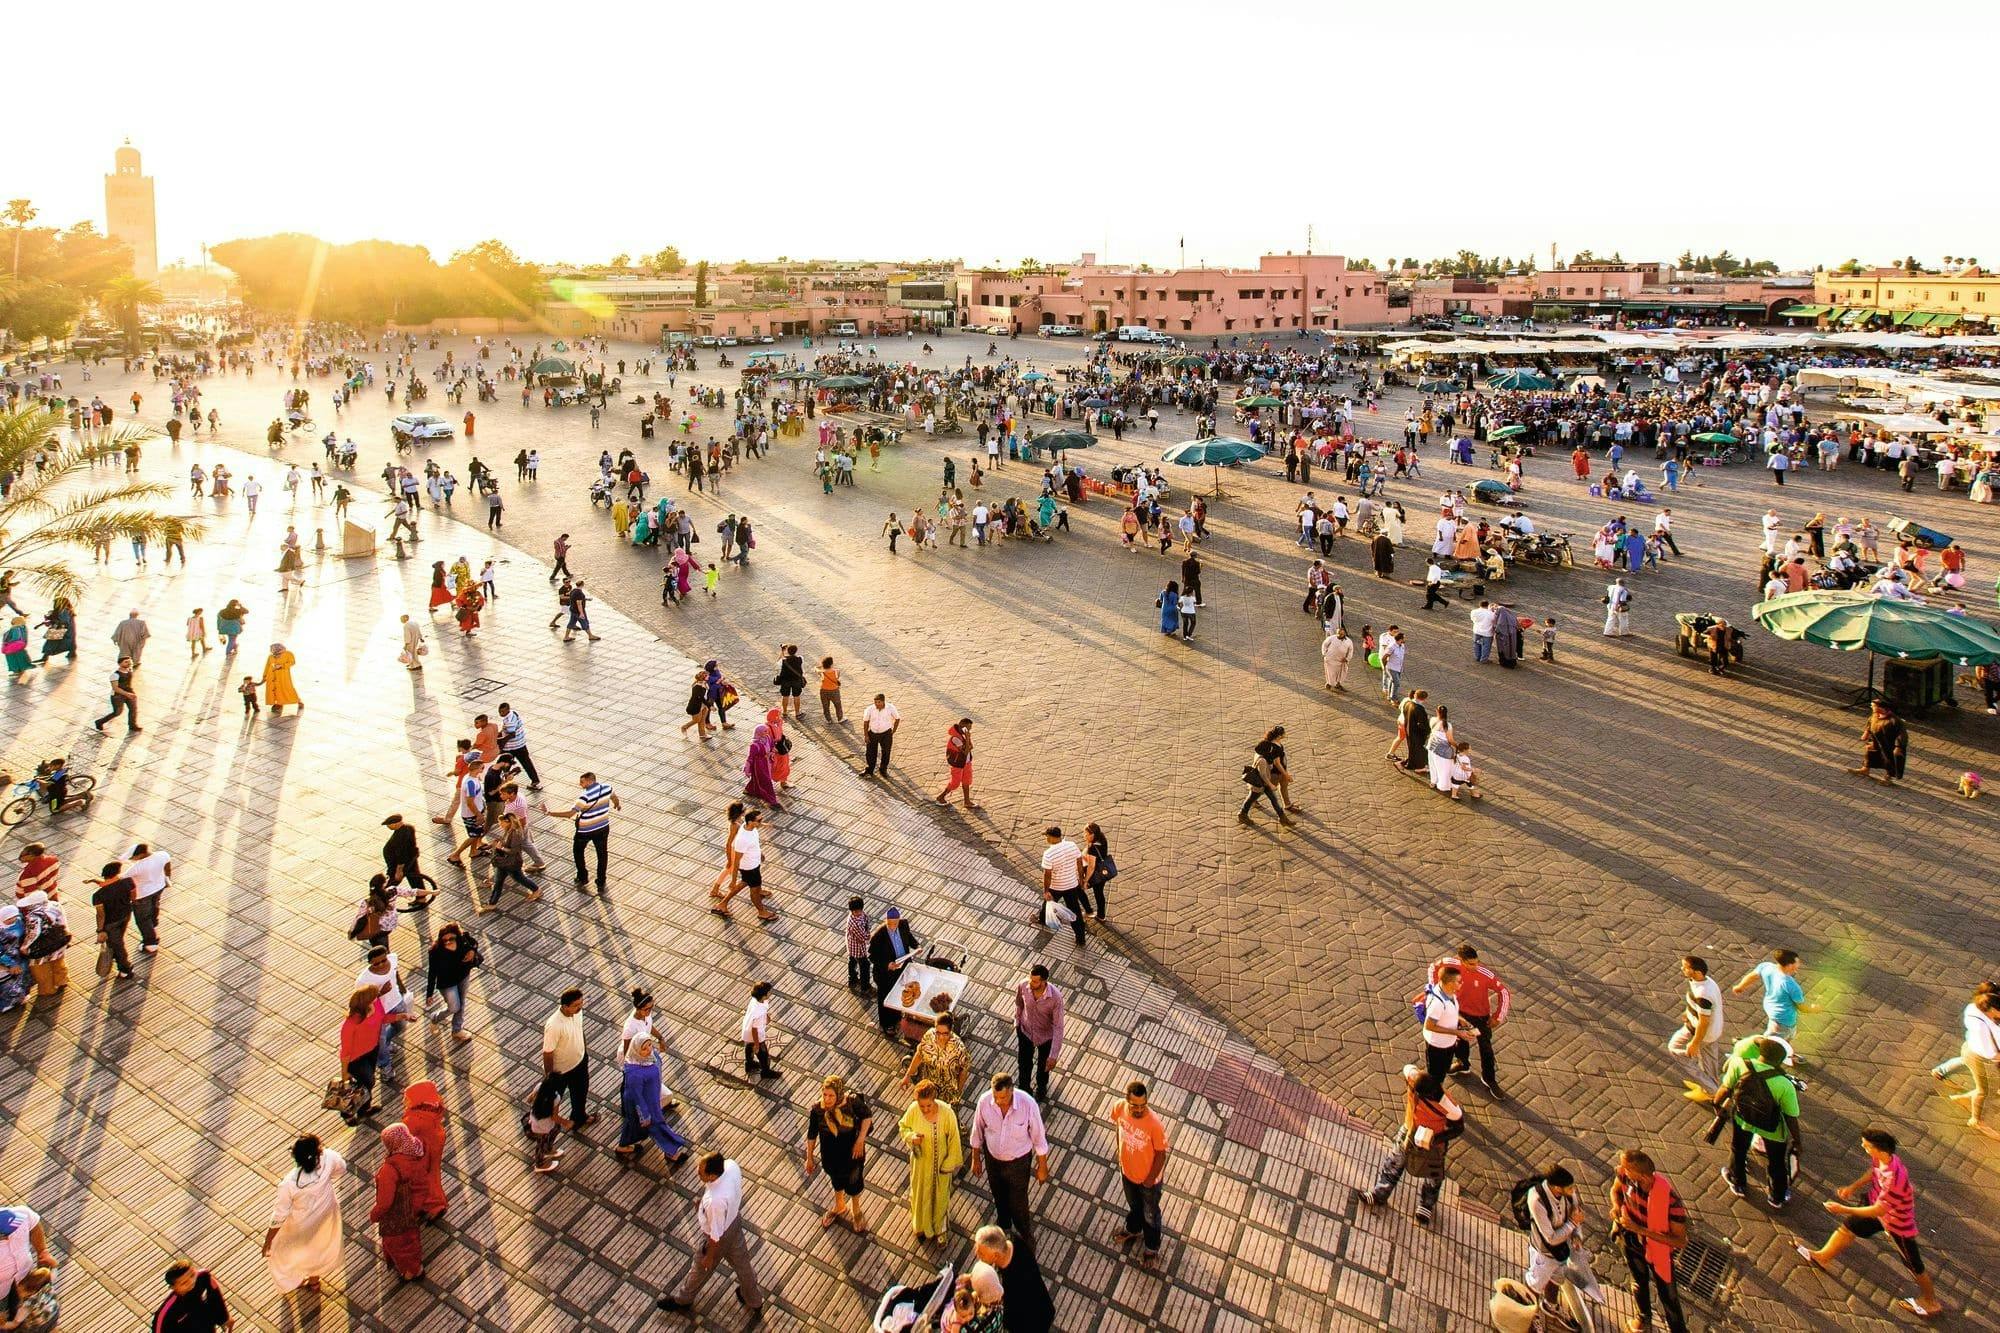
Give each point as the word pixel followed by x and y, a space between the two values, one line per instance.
pixel 54 579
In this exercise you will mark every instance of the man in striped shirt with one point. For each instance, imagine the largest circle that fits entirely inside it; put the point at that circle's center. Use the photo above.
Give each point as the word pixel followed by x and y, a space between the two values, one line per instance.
pixel 1891 1207
pixel 39 871
pixel 592 812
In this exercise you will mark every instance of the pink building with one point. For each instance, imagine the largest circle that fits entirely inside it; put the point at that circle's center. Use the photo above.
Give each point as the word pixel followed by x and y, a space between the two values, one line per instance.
pixel 1283 294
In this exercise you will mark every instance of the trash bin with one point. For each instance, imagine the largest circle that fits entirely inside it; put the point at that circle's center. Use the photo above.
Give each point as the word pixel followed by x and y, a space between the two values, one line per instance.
pixel 1915 686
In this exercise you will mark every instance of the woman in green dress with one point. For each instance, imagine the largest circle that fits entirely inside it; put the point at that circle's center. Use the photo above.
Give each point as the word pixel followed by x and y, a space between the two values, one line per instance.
pixel 929 1130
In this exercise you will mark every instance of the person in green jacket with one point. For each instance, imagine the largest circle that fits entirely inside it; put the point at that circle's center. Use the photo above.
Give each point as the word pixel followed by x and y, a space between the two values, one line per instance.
pixel 1763 1102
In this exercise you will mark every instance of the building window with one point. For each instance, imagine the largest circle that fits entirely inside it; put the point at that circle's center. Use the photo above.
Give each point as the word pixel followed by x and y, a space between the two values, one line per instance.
pixel 1159 323
pixel 1889 295
pixel 1250 293
pixel 1228 324
pixel 1187 326
pixel 1319 293
pixel 1551 291
pixel 1319 319
pixel 1952 297
pixel 1257 323
pixel 1979 296
pixel 1570 292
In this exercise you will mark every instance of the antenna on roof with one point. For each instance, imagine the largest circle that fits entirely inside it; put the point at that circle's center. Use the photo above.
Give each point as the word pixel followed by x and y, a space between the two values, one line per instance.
pixel 1309 238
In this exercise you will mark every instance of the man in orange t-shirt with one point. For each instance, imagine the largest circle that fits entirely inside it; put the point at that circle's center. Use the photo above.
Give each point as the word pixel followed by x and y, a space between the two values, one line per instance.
pixel 1142 1160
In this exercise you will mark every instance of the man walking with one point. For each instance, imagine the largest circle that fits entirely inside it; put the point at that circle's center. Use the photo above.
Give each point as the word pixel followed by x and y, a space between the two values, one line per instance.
pixel 592 812
pixel 1482 632
pixel 1698 1042
pixel 1142 1161
pixel 1060 880
pixel 958 763
pixel 1784 998
pixel 1007 1133
pixel 562 559
pixel 150 872
pixel 1024 1292
pixel 123 698
pixel 1038 1029
pixel 1444 1030
pixel 1762 1103
pixel 514 744
pixel 565 1057
pixel 721 1217
pixel 1648 1216
pixel 1617 605
pixel 130 635
pixel 1392 651
pixel 879 722
pixel 1891 1208
pixel 1483 1001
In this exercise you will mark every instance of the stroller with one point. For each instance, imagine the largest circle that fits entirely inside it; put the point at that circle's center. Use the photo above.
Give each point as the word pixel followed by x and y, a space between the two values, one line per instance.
pixel 914 1307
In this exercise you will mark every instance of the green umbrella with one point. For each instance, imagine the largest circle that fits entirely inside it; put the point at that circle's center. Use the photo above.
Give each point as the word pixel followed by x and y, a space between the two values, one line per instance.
pixel 1259 400
pixel 1213 452
pixel 1057 440
pixel 553 365
pixel 1716 437
pixel 845 382
pixel 1188 362
pixel 1857 621
pixel 1520 379
pixel 802 375
pixel 1508 432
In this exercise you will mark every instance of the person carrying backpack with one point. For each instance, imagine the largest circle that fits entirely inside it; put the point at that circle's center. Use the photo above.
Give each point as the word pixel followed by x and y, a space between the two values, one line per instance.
pixel 1431 1120
pixel 1547 1208
pixel 1763 1103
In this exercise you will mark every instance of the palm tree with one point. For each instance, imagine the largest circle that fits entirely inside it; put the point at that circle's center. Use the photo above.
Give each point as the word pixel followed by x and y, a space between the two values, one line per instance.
pixel 56 507
pixel 123 296
pixel 19 214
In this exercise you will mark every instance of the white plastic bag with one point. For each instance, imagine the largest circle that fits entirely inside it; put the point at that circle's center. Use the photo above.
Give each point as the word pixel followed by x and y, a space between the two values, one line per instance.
pixel 1055 916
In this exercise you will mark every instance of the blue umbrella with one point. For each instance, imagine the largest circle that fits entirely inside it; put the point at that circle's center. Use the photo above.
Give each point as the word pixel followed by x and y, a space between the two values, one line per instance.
pixel 1034 375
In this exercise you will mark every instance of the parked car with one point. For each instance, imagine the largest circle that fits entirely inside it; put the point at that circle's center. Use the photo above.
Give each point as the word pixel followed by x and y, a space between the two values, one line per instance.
pixel 1061 331
pixel 706 340
pixel 417 427
pixel 766 339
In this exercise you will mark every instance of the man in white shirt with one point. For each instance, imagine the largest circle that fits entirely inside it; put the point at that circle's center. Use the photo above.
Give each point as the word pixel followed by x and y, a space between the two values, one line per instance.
pixel 1434 584
pixel 721 1217
pixel 1698 1041
pixel 384 974
pixel 746 862
pixel 1977 1054
pixel 149 872
pixel 1482 632
pixel 565 1055
pixel 879 722
pixel 1060 860
pixel 1007 1134
pixel 1772 525
pixel 1663 528
pixel 1443 1028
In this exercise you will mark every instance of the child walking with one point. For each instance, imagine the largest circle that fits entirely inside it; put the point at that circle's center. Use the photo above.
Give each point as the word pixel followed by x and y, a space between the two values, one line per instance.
pixel 248 689
pixel 755 1029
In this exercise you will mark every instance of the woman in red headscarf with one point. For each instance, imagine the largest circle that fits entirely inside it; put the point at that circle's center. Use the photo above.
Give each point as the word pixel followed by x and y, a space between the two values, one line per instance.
pixel 423 1112
pixel 399 1183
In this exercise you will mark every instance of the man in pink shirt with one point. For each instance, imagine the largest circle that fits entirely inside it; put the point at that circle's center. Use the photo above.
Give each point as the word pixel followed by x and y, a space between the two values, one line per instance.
pixel 1483 1001
pixel 1891 1208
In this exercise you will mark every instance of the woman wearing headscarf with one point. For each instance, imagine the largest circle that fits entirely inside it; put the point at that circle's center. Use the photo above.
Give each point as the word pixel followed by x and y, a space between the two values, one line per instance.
pixel 13 958
pixel 14 643
pixel 1169 602
pixel 277 680
pixel 303 1244
pixel 1384 553
pixel 467 605
pixel 837 1138
pixel 940 1060
pixel 1885 743
pixel 1506 636
pixel 641 1113
pixel 423 1114
pixel 40 913
pixel 440 594
pixel 781 750
pixel 461 576
pixel 399 1183
pixel 59 630
pixel 757 769
pixel 1392 522
pixel 929 1130
pixel 194 1302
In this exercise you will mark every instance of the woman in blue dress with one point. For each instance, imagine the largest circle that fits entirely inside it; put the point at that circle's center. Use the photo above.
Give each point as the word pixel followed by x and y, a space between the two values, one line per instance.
pixel 1169 603
pixel 13 959
pixel 59 630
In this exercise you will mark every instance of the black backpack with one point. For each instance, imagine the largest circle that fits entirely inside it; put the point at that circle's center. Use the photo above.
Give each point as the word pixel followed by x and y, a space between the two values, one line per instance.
pixel 1517 1202
pixel 1756 1105
pixel 51 938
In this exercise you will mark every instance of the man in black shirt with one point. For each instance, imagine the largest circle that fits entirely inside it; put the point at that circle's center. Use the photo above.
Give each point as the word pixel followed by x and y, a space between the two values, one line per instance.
pixel 123 699
pixel 1029 1309
pixel 113 902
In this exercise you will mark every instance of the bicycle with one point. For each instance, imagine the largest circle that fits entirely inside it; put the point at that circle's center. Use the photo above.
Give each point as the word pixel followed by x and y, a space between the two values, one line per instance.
pixel 42 789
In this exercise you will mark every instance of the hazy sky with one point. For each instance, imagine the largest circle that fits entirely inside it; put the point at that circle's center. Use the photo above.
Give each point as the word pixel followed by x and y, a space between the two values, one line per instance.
pixel 1800 132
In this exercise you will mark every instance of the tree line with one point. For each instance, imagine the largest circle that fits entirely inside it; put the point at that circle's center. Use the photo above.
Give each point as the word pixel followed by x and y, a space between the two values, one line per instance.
pixel 375 282
pixel 48 275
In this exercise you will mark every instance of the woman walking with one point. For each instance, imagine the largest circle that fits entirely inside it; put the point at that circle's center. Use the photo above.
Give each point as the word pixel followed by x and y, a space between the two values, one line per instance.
pixel 1169 603
pixel 197 634
pixel 929 1130
pixel 399 1183
pixel 940 1060
pixel 697 707
pixel 1102 868
pixel 791 680
pixel 13 958
pixel 453 956
pixel 15 645
pixel 229 624
pixel 59 630
pixel 360 1044
pixel 466 609
pixel 727 882
pixel 277 680
pixel 781 748
pixel 837 1138
pixel 46 963
pixel 641 1115
pixel 303 1244
pixel 757 770
pixel 440 593
pixel 1885 744
pixel 423 1114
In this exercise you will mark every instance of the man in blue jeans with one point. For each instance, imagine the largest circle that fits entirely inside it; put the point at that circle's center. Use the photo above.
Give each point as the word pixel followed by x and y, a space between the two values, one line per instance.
pixel 1038 1030
pixel 1142 1162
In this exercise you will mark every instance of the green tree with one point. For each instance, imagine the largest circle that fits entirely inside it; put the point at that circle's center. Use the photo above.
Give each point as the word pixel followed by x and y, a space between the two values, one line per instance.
pixel 621 260
pixel 20 212
pixel 1686 261
pixel 489 279
pixel 122 298
pixel 701 285
pixel 1851 267
pixel 58 508
pixel 667 259
pixel 36 310
pixel 1910 265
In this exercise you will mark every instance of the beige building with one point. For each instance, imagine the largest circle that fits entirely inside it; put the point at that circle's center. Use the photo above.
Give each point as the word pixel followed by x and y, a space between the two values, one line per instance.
pixel 1912 300
pixel 128 212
